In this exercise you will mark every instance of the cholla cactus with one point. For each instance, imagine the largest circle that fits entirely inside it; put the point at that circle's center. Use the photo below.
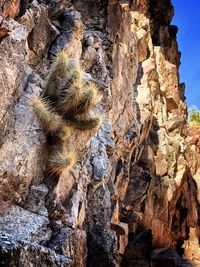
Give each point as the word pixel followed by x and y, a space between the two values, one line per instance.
pixel 65 132
pixel 70 97
pixel 90 98
pixel 87 124
pixel 78 97
pixel 61 161
pixel 72 94
pixel 58 71
pixel 50 120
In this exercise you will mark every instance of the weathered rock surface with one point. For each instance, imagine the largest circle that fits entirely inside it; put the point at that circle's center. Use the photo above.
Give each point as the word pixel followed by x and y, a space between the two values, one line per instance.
pixel 133 199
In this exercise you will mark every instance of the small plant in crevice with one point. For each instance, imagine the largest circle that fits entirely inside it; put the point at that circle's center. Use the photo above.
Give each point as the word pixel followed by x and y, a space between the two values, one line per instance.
pixel 67 104
pixel 194 117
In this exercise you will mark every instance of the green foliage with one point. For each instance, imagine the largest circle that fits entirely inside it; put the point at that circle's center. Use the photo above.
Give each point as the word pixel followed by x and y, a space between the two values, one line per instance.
pixel 194 117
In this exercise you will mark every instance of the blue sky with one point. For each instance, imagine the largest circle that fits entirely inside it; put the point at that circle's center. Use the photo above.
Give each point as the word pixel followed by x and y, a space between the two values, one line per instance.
pixel 187 19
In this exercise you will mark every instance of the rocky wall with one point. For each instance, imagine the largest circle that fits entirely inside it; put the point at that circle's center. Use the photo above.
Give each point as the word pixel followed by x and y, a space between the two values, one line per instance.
pixel 133 197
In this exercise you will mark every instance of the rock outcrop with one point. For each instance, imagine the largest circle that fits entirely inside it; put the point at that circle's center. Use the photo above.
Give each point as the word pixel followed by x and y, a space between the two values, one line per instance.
pixel 133 198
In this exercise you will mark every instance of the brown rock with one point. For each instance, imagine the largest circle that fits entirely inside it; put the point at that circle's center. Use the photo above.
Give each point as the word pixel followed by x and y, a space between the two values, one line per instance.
pixel 136 183
pixel 10 8
pixel 165 257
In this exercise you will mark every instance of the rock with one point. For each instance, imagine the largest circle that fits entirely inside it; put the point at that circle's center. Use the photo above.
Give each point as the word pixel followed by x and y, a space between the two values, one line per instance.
pixel 173 30
pixel 191 248
pixel 136 184
pixel 101 246
pixel 68 239
pixel 36 199
pixel 23 7
pixel 20 162
pixel 182 91
pixel 22 224
pixel 99 170
pixel 138 250
pixel 89 41
pixel 26 253
pixel 12 53
pixel 71 36
pixel 43 33
pixel 161 165
pixel 174 122
pixel 165 257
pixel 10 8
pixel 137 188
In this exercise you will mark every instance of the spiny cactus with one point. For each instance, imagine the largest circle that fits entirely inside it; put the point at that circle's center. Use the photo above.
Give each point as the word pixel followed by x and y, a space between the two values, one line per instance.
pixel 69 99
pixel 58 71
pixel 61 161
pixel 94 94
pixel 76 71
pixel 72 97
pixel 65 132
pixel 91 97
pixel 86 124
pixel 78 98
pixel 51 121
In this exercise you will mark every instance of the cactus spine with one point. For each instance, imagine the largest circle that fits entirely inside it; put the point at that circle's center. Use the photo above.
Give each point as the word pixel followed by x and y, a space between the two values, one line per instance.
pixel 90 98
pixel 86 124
pixel 50 120
pixel 61 161
pixel 57 73
pixel 71 96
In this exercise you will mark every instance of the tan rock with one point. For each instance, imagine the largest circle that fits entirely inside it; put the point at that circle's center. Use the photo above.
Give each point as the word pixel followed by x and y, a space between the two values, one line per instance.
pixel 10 8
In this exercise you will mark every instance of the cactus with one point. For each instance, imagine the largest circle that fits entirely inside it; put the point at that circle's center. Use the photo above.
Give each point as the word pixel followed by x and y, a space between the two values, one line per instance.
pixel 87 124
pixel 58 71
pixel 51 121
pixel 91 97
pixel 70 99
pixel 70 95
pixel 78 98
pixel 59 162
pixel 92 91
pixel 65 133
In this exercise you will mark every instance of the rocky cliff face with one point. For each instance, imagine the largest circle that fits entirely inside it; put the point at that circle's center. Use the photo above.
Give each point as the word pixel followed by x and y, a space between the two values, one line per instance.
pixel 133 199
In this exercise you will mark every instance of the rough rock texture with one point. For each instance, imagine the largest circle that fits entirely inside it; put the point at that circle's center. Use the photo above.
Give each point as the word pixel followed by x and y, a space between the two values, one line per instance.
pixel 133 199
